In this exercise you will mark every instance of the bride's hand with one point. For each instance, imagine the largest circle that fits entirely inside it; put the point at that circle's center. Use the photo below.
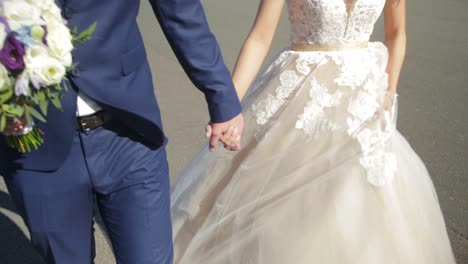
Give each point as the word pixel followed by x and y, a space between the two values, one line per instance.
pixel 228 133
pixel 230 139
pixel 389 100
pixel 14 127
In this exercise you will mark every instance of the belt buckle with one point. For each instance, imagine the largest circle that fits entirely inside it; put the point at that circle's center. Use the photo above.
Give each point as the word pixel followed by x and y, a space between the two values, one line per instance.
pixel 87 123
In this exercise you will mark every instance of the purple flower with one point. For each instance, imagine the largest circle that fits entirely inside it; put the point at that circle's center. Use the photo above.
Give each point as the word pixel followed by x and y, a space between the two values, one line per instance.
pixel 11 56
pixel 4 22
pixel 44 38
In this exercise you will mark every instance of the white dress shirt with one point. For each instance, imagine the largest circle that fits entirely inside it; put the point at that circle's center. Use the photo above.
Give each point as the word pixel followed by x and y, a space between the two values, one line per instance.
pixel 86 106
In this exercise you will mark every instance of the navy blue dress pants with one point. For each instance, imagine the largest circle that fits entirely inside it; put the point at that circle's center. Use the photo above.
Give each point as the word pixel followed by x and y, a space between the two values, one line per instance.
pixel 128 179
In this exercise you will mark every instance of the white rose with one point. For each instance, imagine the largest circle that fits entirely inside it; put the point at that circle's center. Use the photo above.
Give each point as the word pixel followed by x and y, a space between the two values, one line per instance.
pixel 59 40
pixel 42 67
pixel 3 35
pixel 35 54
pixel 40 3
pixel 4 78
pixel 50 72
pixel 51 12
pixel 21 13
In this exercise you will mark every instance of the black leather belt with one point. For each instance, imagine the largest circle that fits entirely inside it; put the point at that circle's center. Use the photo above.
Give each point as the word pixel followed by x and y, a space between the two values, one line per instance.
pixel 90 122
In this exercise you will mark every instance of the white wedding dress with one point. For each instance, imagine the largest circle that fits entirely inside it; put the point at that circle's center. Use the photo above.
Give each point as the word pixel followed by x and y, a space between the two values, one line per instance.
pixel 324 177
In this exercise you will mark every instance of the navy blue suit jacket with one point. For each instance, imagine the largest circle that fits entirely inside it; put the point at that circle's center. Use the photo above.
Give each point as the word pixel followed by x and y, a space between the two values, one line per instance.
pixel 113 70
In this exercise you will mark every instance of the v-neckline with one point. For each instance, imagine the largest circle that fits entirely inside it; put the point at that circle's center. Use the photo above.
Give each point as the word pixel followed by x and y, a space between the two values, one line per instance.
pixel 350 6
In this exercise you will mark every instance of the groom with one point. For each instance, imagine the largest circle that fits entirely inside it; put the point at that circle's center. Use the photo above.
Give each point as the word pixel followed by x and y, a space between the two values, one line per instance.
pixel 107 145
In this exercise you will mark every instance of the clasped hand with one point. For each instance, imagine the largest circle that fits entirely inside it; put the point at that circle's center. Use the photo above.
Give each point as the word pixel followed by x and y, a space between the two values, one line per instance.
pixel 229 133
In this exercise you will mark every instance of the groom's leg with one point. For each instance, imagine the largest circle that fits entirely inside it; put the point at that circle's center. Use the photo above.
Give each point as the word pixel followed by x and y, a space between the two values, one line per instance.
pixel 57 208
pixel 139 224
pixel 132 183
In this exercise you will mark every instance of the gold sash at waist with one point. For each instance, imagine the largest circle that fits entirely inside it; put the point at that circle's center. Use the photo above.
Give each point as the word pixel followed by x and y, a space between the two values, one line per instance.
pixel 328 47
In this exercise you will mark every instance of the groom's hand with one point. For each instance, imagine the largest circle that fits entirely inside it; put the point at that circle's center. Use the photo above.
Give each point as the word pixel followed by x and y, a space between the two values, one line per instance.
pixel 229 133
pixel 13 127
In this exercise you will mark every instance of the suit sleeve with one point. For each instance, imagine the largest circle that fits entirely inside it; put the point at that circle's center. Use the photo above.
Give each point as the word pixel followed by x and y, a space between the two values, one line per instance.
pixel 185 27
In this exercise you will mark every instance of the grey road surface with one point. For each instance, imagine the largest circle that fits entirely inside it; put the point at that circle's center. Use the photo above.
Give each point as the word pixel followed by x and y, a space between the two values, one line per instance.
pixel 433 112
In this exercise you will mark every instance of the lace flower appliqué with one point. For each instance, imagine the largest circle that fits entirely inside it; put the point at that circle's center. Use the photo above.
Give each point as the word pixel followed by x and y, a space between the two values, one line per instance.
pixel 380 164
pixel 268 107
pixel 314 120
pixel 373 136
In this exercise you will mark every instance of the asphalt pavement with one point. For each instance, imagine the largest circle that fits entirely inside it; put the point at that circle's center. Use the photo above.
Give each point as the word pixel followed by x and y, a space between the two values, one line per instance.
pixel 432 109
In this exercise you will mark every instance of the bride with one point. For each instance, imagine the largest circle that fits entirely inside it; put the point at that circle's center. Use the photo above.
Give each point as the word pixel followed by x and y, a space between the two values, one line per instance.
pixel 323 176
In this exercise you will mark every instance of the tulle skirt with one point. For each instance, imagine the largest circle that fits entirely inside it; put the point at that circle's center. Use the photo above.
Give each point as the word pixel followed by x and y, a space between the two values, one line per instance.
pixel 324 176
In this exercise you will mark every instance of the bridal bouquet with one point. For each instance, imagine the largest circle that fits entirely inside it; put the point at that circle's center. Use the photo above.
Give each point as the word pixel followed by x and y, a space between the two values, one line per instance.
pixel 35 54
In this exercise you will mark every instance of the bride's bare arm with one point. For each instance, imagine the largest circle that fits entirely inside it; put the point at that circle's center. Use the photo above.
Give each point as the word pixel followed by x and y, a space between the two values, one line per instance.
pixel 395 40
pixel 256 45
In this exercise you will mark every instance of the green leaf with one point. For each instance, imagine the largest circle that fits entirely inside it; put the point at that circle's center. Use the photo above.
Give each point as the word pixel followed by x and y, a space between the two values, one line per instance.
pixel 58 87
pixel 73 31
pixel 11 111
pixel 41 96
pixel 15 110
pixel 2 123
pixel 74 65
pixel 4 88
pixel 56 102
pixel 37 115
pixel 44 105
pixel 27 114
pixel 86 34
pixel 42 101
pixel 6 95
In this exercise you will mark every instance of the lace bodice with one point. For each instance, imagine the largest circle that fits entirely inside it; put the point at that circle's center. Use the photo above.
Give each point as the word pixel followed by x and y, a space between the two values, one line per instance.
pixel 333 21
